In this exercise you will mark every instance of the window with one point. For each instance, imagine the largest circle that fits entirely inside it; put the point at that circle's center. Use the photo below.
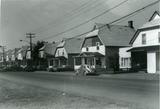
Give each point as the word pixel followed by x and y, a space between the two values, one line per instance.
pixel 97 43
pixel 77 61
pixel 87 49
pixel 51 62
pixel 97 47
pixel 63 53
pixel 98 61
pixel 143 39
pixel 121 61
pixel 58 52
pixel 85 61
pixel 159 37
pixel 125 62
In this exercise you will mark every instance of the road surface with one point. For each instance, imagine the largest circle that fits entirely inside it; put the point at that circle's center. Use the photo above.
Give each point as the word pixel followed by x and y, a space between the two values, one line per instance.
pixel 139 92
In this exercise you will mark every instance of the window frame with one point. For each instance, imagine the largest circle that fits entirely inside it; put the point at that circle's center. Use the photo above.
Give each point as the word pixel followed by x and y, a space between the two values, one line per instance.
pixel 144 39
pixel 158 37
pixel 87 49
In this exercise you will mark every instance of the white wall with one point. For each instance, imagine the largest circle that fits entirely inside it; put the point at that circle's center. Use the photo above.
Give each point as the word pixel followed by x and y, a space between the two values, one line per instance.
pixel 13 57
pixel 20 57
pixel 41 54
pixel 151 38
pixel 94 49
pixel 61 51
pixel 124 54
pixel 7 58
pixel 156 17
pixel 151 62
pixel 28 55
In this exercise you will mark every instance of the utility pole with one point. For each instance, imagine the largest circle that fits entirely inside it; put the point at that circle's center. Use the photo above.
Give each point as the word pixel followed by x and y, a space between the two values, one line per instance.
pixel 31 36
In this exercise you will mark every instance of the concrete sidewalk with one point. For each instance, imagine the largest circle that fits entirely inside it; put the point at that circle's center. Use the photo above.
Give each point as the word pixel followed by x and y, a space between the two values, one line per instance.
pixel 133 76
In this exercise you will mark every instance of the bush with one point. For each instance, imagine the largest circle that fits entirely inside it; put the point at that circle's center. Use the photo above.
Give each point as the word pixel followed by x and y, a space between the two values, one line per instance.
pixel 29 69
pixel 12 68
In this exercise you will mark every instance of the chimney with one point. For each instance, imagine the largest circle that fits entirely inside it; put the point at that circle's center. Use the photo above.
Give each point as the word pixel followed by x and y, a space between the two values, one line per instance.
pixel 130 24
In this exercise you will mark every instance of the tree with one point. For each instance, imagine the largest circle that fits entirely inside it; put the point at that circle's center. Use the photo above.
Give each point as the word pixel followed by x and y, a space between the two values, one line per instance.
pixel 35 52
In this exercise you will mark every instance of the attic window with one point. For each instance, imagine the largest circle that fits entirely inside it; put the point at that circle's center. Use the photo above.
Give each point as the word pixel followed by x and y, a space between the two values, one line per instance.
pixel 159 37
pixel 97 47
pixel 143 39
pixel 97 44
pixel 87 49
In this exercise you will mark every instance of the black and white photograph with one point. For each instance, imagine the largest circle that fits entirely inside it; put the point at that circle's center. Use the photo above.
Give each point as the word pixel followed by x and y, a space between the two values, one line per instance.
pixel 79 54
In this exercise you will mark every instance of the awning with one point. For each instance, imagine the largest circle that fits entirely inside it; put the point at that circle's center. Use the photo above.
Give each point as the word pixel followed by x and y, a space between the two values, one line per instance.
pixel 145 48
pixel 90 54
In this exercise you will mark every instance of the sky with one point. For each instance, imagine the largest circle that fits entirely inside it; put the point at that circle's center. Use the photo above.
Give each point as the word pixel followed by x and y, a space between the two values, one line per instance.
pixel 46 18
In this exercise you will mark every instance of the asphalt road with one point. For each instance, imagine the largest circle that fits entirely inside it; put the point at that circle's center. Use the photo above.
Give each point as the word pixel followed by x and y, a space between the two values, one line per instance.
pixel 139 92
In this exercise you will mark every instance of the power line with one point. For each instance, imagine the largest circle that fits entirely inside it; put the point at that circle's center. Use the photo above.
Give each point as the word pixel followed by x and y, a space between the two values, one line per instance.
pixel 88 20
pixel 71 13
pixel 119 18
pixel 76 16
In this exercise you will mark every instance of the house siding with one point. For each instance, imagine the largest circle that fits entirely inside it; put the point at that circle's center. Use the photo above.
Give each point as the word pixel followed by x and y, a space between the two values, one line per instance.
pixel 91 41
pixel 151 38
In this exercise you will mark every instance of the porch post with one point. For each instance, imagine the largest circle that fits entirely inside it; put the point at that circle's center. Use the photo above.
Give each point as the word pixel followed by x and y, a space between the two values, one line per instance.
pixel 48 62
pixel 151 62
pixel 94 61
pixel 74 61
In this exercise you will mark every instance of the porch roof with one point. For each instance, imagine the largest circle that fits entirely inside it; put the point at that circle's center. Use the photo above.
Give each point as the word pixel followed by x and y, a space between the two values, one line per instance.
pixel 144 48
pixel 90 54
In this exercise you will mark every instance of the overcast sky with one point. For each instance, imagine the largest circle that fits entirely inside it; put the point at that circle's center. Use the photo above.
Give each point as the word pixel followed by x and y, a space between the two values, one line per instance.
pixel 49 17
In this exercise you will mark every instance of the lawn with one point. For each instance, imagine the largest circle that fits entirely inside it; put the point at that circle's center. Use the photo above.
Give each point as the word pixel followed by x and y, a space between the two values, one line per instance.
pixel 22 96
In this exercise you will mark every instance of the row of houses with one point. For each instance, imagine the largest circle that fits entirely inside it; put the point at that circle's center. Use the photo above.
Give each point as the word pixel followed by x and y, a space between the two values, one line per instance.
pixel 107 47
pixel 15 57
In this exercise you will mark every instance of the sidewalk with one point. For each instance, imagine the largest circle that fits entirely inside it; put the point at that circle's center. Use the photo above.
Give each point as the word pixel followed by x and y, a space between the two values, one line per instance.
pixel 132 76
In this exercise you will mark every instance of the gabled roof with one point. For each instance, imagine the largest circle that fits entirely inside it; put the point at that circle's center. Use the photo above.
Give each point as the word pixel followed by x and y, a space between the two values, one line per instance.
pixel 50 48
pixel 154 14
pixel 9 53
pixel 115 35
pixel 73 45
pixel 152 24
pixel 23 50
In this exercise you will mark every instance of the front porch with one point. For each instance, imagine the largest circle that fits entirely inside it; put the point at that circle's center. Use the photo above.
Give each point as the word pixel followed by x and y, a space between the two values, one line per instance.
pixel 91 59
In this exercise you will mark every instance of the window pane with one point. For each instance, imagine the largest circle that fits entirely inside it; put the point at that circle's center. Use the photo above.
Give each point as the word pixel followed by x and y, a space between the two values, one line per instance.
pixel 78 61
pixel 143 38
pixel 159 37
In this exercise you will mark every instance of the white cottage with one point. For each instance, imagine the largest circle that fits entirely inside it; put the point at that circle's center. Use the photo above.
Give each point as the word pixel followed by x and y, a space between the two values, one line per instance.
pixel 145 51
pixel 66 51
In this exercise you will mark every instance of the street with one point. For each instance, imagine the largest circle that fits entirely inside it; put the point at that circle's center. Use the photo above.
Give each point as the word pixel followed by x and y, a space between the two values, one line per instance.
pixel 142 93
